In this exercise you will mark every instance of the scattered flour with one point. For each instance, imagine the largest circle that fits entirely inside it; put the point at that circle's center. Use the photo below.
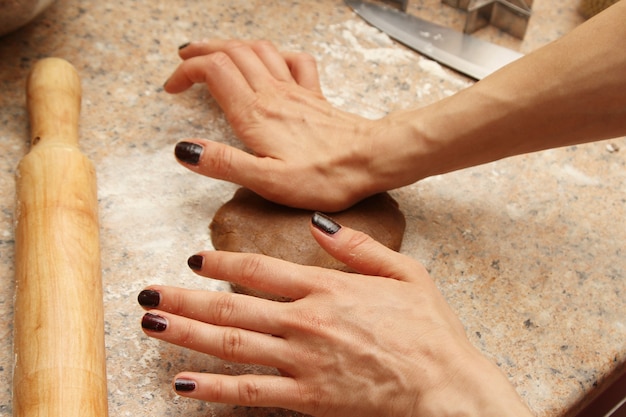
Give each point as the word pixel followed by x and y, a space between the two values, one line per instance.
pixel 369 43
pixel 434 68
pixel 576 175
pixel 384 50
pixel 359 42
pixel 154 212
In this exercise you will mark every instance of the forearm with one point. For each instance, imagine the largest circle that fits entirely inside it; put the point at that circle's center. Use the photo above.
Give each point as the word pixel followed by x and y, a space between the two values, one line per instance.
pixel 478 386
pixel 571 91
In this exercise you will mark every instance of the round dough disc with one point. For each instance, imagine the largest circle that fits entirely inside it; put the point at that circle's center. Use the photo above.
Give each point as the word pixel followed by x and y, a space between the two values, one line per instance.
pixel 249 223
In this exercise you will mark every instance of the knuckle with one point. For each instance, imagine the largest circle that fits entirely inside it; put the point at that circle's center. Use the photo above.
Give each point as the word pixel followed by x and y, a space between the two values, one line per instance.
pixel 223 309
pixel 247 118
pixel 260 109
pixel 232 344
pixel 215 391
pixel 306 59
pixel 221 162
pixel 262 45
pixel 249 392
pixel 360 249
pixel 313 399
pixel 272 186
pixel 357 243
pixel 218 59
pixel 309 321
pixel 314 322
pixel 186 333
pixel 250 268
pixel 234 44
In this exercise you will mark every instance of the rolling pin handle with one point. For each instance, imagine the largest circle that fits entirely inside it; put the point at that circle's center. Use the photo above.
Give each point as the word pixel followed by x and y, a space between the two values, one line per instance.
pixel 58 339
pixel 53 98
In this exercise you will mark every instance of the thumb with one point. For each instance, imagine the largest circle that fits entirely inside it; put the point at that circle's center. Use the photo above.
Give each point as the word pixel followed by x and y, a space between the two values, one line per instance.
pixel 361 252
pixel 223 162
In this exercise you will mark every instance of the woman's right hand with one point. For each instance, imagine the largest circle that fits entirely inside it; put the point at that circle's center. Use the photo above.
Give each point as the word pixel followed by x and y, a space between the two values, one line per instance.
pixel 306 153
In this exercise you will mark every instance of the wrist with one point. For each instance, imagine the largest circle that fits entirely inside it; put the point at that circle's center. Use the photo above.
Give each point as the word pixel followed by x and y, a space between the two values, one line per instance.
pixel 398 150
pixel 472 127
pixel 480 389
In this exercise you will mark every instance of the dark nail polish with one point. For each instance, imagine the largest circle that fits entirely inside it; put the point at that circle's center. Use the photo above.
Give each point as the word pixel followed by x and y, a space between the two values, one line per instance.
pixel 149 298
pixel 325 223
pixel 188 152
pixel 195 262
pixel 184 385
pixel 154 322
pixel 184 45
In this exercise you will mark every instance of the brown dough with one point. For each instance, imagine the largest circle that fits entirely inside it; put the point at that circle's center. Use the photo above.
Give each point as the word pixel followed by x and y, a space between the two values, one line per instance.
pixel 249 223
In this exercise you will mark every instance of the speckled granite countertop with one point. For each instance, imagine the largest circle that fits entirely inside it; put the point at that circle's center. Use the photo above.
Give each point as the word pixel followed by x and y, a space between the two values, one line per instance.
pixel 529 250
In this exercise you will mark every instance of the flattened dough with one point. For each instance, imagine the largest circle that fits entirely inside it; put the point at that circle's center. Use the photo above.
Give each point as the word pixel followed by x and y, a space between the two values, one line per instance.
pixel 249 223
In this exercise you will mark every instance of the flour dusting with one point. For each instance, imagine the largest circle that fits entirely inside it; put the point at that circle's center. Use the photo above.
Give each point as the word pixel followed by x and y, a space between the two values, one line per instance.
pixel 156 213
pixel 439 71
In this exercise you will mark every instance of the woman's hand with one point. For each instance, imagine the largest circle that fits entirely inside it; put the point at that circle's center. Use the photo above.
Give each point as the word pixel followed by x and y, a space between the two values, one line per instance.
pixel 303 145
pixel 300 142
pixel 384 343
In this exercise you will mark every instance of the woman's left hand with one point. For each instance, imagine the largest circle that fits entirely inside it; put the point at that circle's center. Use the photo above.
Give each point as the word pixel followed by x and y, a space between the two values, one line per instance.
pixel 384 343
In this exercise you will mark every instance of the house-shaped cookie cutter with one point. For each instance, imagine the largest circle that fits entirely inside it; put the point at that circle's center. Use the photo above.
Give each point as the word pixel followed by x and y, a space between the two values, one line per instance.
pixel 510 16
pixel 402 4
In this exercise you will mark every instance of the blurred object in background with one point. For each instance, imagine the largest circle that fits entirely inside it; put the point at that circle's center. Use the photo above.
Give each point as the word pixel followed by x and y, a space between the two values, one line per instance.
pixel 16 13
pixel 589 8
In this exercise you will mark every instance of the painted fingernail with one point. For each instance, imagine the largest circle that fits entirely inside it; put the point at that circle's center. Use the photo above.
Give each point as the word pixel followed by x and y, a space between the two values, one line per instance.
pixel 184 45
pixel 149 298
pixel 325 223
pixel 195 262
pixel 188 152
pixel 184 385
pixel 154 322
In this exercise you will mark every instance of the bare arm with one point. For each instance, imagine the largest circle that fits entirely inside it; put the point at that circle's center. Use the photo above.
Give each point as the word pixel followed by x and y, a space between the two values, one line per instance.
pixel 571 91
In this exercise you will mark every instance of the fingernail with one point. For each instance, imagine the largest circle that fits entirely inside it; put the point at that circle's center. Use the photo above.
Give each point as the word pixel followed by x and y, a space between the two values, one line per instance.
pixel 154 322
pixel 184 45
pixel 195 262
pixel 325 223
pixel 165 83
pixel 149 298
pixel 188 152
pixel 184 385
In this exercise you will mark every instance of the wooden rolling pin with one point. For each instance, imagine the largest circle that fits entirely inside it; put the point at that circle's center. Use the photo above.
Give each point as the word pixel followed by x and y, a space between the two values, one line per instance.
pixel 59 349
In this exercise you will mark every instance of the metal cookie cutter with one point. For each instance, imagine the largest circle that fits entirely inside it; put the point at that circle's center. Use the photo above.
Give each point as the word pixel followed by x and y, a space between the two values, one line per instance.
pixel 511 16
pixel 404 4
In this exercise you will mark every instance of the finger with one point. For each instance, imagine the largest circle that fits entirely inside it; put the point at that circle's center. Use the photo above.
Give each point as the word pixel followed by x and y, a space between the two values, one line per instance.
pixel 222 77
pixel 259 62
pixel 224 162
pixel 273 60
pixel 362 253
pixel 196 48
pixel 217 308
pixel 245 390
pixel 304 70
pixel 227 343
pixel 284 66
pixel 266 51
pixel 260 272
